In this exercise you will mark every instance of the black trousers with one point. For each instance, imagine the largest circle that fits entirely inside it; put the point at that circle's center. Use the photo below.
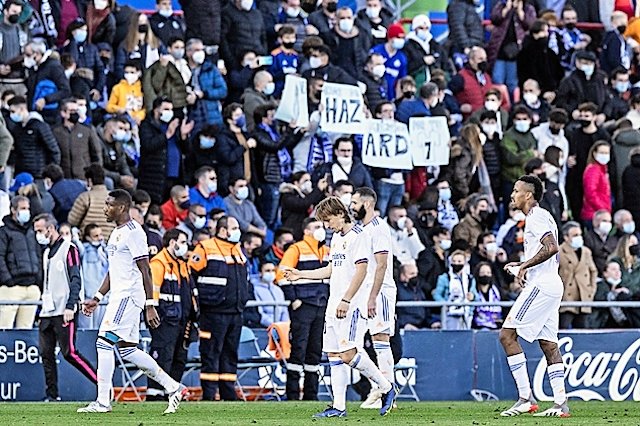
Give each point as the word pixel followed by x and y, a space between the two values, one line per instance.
pixel 52 330
pixel 307 324
pixel 168 350
pixel 219 340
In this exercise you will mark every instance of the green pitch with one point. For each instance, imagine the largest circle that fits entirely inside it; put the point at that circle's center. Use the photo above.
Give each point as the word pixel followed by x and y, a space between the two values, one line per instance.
pixel 284 413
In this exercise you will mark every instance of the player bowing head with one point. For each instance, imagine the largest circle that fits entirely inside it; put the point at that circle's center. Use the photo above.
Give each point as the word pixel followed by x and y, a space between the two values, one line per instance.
pixel 333 214
pixel 527 191
pixel 117 205
pixel 363 203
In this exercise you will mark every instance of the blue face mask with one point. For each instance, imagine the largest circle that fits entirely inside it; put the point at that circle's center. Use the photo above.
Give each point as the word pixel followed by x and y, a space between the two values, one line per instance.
pixel 241 121
pixel 80 36
pixel 23 216
pixel 622 86
pixel 207 143
pixel 15 117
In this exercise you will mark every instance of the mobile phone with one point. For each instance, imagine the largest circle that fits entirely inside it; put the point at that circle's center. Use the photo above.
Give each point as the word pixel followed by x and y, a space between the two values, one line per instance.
pixel 221 64
pixel 265 61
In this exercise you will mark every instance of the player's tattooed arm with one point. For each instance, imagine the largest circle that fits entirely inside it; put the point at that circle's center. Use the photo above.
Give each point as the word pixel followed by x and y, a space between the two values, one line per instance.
pixel 549 248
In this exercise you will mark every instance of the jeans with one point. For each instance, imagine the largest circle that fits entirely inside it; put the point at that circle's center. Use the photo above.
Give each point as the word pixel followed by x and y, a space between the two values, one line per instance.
pixel 506 72
pixel 389 195
pixel 269 203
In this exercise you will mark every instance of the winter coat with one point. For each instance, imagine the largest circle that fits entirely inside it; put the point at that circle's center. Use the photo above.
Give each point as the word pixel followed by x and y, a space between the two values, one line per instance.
pixel 376 90
pixel 64 194
pixel 416 53
pixel 631 188
pixel 20 254
pixel 610 58
pixel 467 89
pixel 105 32
pixel 35 146
pixel 89 208
pixel 241 30
pixel 354 63
pixel 229 154
pixel 129 97
pixel 51 70
pixel 164 81
pixel 516 149
pixel 365 25
pixel 575 89
pixel 153 158
pixel 597 190
pixel 461 169
pixel 296 206
pixel 114 160
pixel 79 147
pixel 501 28
pixel 331 74
pixel 202 18
pixel 536 61
pixel 252 99
pixel 138 54
pixel 167 28
pixel 601 250
pixel 468 229
pixel 359 175
pixel 578 276
pixel 208 110
pixel 623 142
pixel 267 158
pixel 87 56
pixel 465 25
pixel 412 108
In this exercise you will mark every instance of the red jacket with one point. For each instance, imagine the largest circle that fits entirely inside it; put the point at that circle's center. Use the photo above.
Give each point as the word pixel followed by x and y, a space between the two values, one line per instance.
pixel 171 217
pixel 597 190
pixel 473 93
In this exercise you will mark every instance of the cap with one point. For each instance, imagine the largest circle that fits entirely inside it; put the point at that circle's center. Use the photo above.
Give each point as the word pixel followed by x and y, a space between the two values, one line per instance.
pixel 394 31
pixel 21 180
pixel 586 55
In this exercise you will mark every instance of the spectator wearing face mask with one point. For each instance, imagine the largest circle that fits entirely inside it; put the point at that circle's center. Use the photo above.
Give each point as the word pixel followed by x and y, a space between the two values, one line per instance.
pixel 491 150
pixel 242 28
pixel 13 41
pixel 579 275
pixel 411 318
pixel 285 58
pixel 600 240
pixel 298 198
pixel 552 133
pixel 113 134
pixel 140 45
pixel 240 207
pixel 608 289
pixel 196 220
pixel 493 103
pixel 205 192
pixel 486 250
pixel 95 265
pixel 447 214
pixel 457 285
pixel 552 198
pixel 424 53
pixel 618 96
pixel 266 291
pixel 465 158
pixel 537 61
pixel 373 78
pixel 349 44
pixel 126 96
pixel 344 166
pixel 616 51
pixel 487 317
pixel 405 241
pixel 533 100
pixel 595 181
pixel 176 208
pixel 165 24
pixel 257 95
pixel 164 79
pixel 395 59
pixel 321 68
pixel 465 26
pixel 420 107
pixel 474 222
pixel 89 206
pixel 584 84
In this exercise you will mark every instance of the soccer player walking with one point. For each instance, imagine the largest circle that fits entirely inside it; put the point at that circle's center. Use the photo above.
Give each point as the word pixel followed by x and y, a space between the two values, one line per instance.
pixel 131 288
pixel 379 282
pixel 345 317
pixel 534 315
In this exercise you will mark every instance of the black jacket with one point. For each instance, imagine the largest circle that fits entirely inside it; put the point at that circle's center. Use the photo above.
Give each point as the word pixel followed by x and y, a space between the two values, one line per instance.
pixel 35 146
pixel 353 63
pixel 465 26
pixel 536 61
pixel 52 70
pixel 376 90
pixel 229 155
pixel 203 20
pixel 331 73
pixel 295 207
pixel 87 55
pixel 363 22
pixel 166 28
pixel 631 189
pixel 415 56
pixel 267 159
pixel 359 175
pixel 574 89
pixel 241 30
pixel 20 254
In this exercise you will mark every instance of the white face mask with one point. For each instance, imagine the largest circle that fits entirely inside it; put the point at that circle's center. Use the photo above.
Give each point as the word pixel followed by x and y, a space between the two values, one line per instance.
pixel 491 105
pixel 378 70
pixel 373 12
pixel 522 126
pixel 629 227
pixel 577 242
pixel 82 111
pixel 519 217
pixel 397 43
pixel 402 222
pixel 166 116
pixel 605 227
pixel 246 4
pixel 306 187
pixel 269 88
pixel 550 170
pixel 588 70
pixel 198 57
pixel 345 161
pixel 445 244
pixel 100 4
pixel 530 98
pixel 131 77
pixel 614 281
pixel 180 250
pixel 165 12
pixel 603 158
pixel 269 277
pixel 491 247
pixel 68 73
pixel 346 199
pixel 29 62
pixel 234 236
pixel 243 193
pixel 489 129
pixel 200 222
pixel 212 186
pixel 315 62
pixel 320 235
pixel 42 240
pixel 292 12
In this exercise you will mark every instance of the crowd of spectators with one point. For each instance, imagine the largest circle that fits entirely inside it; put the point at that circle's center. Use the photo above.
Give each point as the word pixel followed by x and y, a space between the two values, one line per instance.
pixel 179 109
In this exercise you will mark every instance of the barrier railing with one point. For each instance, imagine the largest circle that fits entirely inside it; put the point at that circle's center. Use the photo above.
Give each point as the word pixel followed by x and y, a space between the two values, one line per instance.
pixel 443 306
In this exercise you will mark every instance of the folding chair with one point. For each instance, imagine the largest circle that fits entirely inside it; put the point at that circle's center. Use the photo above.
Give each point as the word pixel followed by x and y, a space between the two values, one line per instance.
pixel 130 372
pixel 279 344
pixel 407 371
pixel 483 395
pixel 250 358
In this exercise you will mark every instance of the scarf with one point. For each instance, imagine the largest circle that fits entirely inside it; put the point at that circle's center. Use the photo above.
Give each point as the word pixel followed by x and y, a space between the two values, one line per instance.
pixel 284 158
pixel 94 19
pixel 320 152
pixel 246 156
pixel 486 316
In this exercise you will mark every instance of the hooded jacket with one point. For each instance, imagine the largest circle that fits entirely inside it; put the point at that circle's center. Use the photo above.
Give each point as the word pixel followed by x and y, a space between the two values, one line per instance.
pixel 20 254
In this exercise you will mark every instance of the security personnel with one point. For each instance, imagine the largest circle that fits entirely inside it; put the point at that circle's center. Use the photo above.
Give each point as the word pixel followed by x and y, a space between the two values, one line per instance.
pixel 308 304
pixel 218 266
pixel 175 297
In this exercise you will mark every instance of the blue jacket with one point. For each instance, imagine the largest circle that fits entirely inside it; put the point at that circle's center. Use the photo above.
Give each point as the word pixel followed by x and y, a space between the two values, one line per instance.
pixel 413 108
pixel 215 89
pixel 214 201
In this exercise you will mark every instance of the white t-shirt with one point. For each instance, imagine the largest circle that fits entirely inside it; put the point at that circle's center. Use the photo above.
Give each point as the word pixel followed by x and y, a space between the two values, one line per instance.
pixel 127 244
pixel 538 224
pixel 380 241
pixel 346 251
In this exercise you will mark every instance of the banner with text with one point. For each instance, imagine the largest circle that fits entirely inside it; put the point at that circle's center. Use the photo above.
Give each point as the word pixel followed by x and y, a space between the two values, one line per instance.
pixel 429 141
pixel 342 109
pixel 386 144
pixel 293 104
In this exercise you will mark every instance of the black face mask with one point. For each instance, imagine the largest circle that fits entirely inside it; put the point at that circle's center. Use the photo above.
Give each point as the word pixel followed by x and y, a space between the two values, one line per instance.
pixel 483 214
pixel 413 282
pixel 360 213
pixel 554 130
pixel 621 29
pixel 143 28
pixel 570 26
pixel 457 268
pixel 74 117
pixel 185 204
pixel 542 176
pixel 427 220
pixel 332 7
pixel 288 45
pixel 408 94
pixel 584 123
pixel 13 19
pixel 635 249
pixel 484 280
pixel 152 225
pixel 482 66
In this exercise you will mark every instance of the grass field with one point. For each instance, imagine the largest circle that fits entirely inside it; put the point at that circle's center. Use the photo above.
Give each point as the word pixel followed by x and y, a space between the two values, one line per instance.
pixel 272 413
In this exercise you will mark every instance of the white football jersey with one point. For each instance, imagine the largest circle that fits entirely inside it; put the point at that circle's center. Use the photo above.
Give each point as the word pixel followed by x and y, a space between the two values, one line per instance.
pixel 538 224
pixel 346 251
pixel 379 236
pixel 127 244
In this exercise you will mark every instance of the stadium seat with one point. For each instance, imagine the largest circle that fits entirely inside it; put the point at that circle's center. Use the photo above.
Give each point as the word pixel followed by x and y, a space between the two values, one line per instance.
pixel 130 372
pixel 251 358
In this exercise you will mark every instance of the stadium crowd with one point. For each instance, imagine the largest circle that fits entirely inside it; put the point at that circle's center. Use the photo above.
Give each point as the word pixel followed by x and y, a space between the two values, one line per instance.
pixel 178 109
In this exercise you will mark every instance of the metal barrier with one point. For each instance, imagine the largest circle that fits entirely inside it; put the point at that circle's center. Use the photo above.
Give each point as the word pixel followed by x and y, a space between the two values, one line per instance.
pixel 410 304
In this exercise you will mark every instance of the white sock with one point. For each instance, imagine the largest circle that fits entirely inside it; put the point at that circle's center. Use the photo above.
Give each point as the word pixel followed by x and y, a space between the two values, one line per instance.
pixel 106 367
pixel 149 367
pixel 385 359
pixel 339 382
pixel 556 377
pixel 518 366
pixel 368 369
